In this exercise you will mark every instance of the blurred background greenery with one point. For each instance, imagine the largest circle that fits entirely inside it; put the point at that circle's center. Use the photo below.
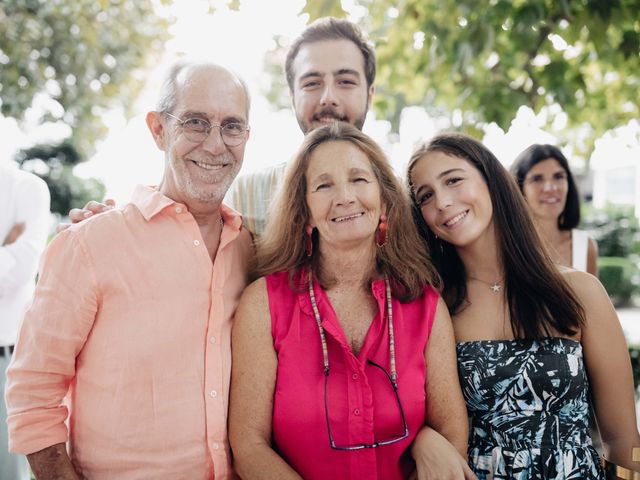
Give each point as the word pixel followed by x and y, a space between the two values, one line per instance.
pixel 73 61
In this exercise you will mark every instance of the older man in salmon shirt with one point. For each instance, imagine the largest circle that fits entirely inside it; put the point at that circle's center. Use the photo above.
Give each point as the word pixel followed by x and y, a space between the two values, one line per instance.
pixel 129 331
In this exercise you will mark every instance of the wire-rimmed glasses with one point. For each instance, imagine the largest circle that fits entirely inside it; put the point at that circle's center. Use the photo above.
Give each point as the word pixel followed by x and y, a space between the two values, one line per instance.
pixel 377 443
pixel 197 129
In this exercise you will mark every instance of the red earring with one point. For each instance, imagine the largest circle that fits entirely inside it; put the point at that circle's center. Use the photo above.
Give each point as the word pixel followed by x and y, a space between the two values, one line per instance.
pixel 381 232
pixel 309 241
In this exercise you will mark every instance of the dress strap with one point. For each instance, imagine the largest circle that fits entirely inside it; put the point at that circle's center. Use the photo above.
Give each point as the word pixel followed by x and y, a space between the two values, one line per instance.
pixel 579 247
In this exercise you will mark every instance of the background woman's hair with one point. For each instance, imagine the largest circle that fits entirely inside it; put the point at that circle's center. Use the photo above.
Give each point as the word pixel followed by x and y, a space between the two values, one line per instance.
pixel 536 153
pixel 539 299
pixel 282 247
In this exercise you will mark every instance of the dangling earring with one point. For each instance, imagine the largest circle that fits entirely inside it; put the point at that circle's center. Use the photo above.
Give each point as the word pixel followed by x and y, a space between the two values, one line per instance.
pixel 381 232
pixel 309 241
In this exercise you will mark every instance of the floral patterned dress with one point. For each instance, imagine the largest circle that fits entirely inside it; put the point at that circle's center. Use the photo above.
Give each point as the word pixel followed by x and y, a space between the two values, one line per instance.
pixel 528 409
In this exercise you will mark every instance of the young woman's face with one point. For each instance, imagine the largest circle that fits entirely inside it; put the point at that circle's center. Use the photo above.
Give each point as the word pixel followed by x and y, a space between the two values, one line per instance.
pixel 545 188
pixel 453 198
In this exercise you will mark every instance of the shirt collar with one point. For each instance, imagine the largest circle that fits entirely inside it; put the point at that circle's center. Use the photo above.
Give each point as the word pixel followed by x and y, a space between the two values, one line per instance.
pixel 150 202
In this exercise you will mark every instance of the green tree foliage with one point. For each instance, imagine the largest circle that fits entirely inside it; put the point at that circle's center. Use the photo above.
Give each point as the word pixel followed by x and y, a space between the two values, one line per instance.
pixel 54 163
pixel 617 231
pixel 86 55
pixel 486 59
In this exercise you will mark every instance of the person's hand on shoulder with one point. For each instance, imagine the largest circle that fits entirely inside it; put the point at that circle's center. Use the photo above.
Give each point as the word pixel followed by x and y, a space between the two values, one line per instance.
pixel 77 215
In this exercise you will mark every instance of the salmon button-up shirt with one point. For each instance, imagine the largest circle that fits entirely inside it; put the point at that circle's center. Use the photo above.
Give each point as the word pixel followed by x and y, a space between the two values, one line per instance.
pixel 131 322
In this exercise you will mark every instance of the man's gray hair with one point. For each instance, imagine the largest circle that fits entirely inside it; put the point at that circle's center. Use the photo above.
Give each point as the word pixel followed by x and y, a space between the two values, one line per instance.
pixel 169 90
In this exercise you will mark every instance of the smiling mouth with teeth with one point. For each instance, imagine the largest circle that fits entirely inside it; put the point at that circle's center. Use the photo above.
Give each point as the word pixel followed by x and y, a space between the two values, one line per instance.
pixel 456 219
pixel 208 166
pixel 347 217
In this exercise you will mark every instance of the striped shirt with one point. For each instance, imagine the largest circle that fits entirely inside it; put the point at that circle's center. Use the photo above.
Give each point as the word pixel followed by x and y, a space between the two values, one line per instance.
pixel 252 194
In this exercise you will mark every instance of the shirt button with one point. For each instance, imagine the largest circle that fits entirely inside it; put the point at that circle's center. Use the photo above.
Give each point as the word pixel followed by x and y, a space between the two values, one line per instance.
pixel 215 446
pixel 354 376
pixel 212 339
pixel 178 209
pixel 213 394
pixel 356 412
pixel 196 242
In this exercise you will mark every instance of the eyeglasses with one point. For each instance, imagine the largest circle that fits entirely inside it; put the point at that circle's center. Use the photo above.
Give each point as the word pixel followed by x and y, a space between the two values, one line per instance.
pixel 377 443
pixel 197 129
pixel 392 378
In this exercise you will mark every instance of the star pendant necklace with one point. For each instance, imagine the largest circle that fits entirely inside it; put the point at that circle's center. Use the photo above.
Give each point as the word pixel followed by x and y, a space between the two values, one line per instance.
pixel 495 287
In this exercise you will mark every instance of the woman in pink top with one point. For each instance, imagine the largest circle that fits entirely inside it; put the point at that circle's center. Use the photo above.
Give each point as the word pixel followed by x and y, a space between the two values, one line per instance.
pixel 343 351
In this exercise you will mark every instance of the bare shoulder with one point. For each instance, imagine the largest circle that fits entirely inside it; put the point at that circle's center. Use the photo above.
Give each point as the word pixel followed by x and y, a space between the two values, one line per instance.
pixel 256 288
pixel 255 294
pixel 582 283
pixel 442 311
pixel 253 309
pixel 594 298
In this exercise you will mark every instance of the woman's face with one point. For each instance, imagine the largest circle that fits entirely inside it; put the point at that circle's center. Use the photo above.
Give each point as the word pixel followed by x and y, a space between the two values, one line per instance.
pixel 343 195
pixel 545 188
pixel 453 198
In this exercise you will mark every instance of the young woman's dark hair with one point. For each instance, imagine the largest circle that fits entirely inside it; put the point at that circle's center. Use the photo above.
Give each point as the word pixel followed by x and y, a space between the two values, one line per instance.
pixel 539 299
pixel 536 153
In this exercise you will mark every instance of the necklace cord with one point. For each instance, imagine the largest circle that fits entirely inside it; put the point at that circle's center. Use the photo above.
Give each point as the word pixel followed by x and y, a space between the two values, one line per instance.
pixel 323 339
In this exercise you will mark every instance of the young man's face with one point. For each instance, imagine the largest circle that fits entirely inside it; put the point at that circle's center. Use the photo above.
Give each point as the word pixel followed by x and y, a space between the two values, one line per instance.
pixel 329 84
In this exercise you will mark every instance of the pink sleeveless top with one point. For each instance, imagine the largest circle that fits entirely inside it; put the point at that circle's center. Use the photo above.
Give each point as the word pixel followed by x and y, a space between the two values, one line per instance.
pixel 360 398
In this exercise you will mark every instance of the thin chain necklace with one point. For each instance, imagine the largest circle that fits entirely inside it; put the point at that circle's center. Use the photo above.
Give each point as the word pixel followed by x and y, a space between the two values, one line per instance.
pixel 323 340
pixel 495 287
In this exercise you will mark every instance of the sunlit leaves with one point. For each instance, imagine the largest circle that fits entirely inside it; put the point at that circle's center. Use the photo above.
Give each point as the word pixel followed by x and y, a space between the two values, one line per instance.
pixel 487 59
pixel 83 54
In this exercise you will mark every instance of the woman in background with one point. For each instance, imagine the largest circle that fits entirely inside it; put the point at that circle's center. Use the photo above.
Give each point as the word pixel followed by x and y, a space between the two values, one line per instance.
pixel 534 342
pixel 545 180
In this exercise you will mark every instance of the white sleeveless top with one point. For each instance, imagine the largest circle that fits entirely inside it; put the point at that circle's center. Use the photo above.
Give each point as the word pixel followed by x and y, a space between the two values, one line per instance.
pixel 579 248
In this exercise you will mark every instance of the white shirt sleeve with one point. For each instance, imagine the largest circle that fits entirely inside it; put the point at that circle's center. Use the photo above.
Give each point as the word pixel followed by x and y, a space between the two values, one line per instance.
pixel 19 261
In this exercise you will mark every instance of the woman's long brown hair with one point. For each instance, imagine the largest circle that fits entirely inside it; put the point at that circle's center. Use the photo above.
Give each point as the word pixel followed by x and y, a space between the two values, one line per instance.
pixel 282 247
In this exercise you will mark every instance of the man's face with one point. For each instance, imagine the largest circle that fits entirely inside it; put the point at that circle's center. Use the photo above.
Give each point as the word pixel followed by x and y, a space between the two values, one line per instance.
pixel 329 84
pixel 201 171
